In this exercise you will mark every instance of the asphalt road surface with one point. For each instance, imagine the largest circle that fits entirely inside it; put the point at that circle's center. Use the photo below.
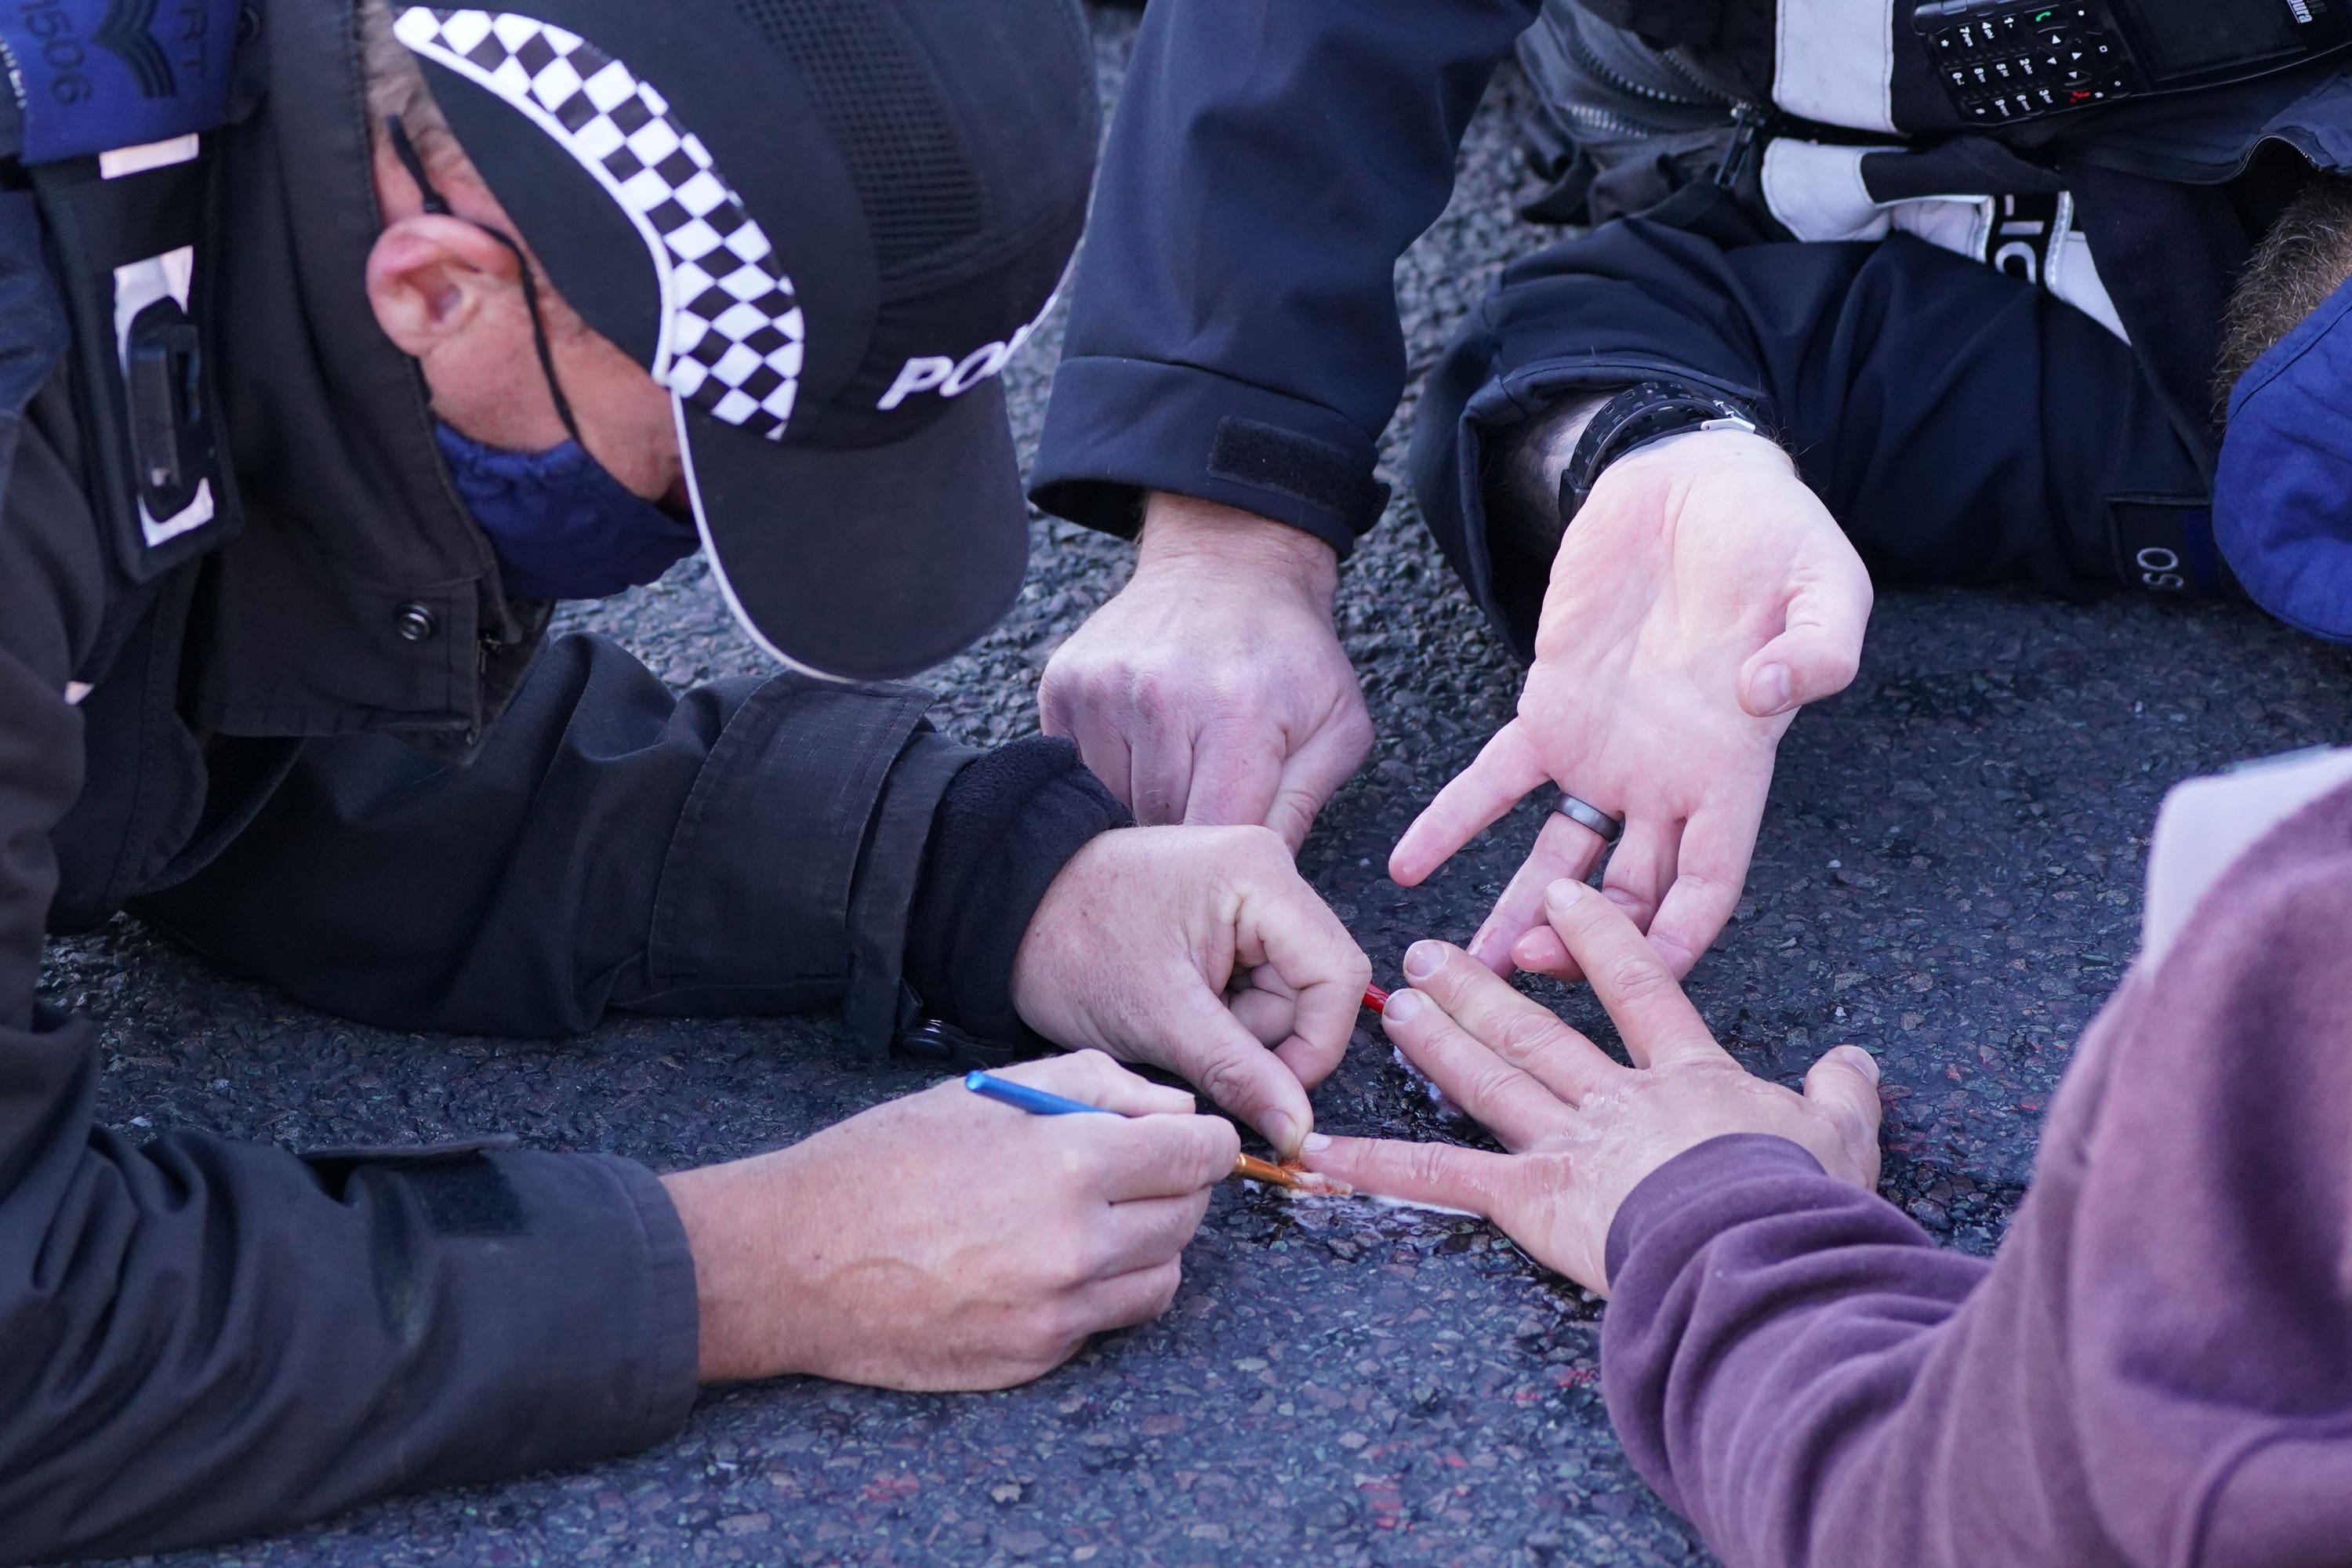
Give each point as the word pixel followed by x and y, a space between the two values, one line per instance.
pixel 1950 874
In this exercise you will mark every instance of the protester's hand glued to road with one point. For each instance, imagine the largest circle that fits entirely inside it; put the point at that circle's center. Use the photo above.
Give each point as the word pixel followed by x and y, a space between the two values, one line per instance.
pixel 1138 944
pixel 1212 688
pixel 1582 1128
pixel 943 1241
pixel 1701 594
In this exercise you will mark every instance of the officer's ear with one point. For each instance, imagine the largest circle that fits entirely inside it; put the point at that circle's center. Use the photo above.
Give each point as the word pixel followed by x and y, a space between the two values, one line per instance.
pixel 434 279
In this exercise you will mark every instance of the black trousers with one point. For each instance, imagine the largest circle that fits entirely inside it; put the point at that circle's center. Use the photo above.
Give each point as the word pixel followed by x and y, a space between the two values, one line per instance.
pixel 1963 425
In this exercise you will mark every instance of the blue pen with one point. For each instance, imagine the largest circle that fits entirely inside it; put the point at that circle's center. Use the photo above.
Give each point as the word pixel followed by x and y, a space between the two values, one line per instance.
pixel 1038 1102
pixel 1021 1097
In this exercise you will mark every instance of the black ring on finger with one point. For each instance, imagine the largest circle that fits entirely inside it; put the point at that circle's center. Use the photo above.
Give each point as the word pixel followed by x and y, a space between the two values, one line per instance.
pixel 1584 813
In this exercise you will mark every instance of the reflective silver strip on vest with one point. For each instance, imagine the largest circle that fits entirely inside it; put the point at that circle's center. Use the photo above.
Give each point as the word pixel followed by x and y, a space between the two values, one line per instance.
pixel 1833 60
pixel 1816 191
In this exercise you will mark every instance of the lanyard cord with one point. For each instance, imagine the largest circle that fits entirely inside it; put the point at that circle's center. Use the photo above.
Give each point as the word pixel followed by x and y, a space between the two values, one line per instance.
pixel 406 151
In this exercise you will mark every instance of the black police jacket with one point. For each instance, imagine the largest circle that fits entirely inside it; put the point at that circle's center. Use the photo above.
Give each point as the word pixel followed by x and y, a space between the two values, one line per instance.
pixel 201 1338
pixel 1233 330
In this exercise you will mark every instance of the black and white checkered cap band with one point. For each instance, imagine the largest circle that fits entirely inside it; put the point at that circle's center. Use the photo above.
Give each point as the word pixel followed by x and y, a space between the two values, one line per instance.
pixel 731 327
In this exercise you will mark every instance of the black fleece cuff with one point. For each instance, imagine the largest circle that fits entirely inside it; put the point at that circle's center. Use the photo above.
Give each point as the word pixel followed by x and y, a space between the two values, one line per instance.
pixel 1006 827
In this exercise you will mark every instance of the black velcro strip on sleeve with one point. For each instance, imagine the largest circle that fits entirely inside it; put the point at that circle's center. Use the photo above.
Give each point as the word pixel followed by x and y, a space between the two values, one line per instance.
pixel 464 1195
pixel 1300 467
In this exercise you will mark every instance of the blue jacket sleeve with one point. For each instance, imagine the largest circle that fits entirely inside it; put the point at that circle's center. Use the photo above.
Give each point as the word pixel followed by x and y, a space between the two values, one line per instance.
pixel 1234 332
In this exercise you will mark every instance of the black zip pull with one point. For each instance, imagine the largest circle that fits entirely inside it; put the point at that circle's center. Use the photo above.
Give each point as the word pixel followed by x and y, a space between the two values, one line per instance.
pixel 1748 123
pixel 931 1040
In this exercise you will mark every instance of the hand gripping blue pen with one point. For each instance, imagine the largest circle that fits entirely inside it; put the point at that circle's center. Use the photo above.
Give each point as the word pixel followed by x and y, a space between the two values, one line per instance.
pixel 1038 1102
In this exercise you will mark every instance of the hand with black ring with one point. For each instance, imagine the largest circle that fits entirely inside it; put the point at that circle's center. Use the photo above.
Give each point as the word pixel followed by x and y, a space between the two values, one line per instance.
pixel 1701 595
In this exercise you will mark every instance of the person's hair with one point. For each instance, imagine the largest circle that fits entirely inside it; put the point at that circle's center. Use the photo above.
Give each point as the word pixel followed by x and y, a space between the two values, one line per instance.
pixel 2304 258
pixel 393 83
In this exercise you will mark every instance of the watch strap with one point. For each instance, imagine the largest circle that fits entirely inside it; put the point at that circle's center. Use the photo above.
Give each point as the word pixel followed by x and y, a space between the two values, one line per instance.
pixel 1641 415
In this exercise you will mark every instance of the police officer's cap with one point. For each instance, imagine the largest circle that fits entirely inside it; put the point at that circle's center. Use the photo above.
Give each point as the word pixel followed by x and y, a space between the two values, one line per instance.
pixel 825 225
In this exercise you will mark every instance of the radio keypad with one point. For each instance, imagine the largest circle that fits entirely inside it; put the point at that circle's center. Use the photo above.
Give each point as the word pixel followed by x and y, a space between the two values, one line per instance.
pixel 2027 60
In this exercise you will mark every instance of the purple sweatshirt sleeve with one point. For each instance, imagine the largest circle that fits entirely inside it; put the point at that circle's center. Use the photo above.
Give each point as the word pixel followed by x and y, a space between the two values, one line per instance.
pixel 2156 1369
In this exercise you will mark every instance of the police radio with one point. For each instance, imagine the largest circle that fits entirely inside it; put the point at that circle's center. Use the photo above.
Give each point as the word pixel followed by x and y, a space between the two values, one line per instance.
pixel 2001 61
pixel 116 104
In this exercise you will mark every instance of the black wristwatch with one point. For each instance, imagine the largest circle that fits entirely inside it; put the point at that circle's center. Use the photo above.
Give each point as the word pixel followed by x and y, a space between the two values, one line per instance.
pixel 1642 414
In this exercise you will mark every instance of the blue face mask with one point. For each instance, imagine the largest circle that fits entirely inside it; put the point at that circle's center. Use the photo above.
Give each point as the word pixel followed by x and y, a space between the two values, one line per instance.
pixel 2282 489
pixel 561 526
